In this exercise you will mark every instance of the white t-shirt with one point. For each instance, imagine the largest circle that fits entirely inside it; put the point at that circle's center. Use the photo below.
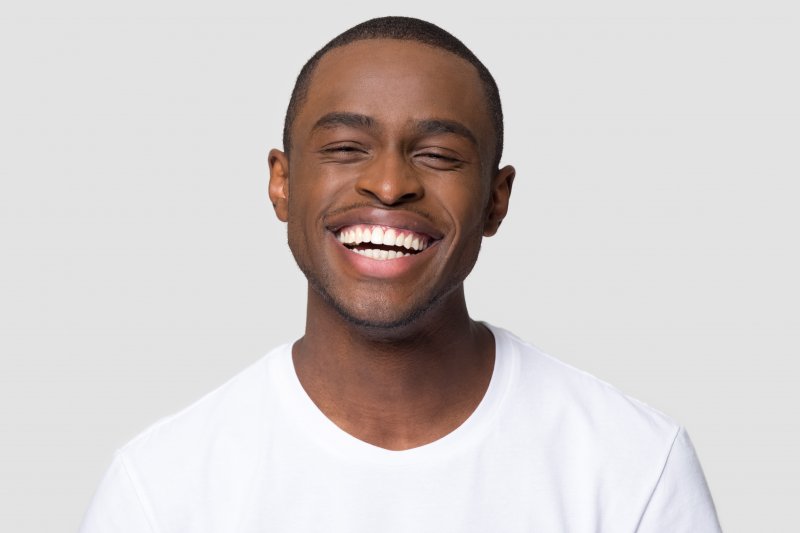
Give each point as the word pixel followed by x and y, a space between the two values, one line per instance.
pixel 549 449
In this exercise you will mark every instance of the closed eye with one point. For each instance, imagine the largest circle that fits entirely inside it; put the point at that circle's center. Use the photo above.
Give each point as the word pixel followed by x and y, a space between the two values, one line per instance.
pixel 343 153
pixel 439 156
pixel 439 161
pixel 341 149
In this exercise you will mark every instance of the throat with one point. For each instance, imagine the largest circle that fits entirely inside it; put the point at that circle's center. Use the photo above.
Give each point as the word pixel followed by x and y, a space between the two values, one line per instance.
pixel 398 401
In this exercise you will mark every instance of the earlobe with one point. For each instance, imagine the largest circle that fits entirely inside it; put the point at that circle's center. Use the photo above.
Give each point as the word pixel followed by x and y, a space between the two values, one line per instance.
pixel 498 201
pixel 279 183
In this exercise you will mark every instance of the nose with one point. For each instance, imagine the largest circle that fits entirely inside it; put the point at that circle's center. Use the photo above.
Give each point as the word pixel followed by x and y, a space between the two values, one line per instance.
pixel 391 180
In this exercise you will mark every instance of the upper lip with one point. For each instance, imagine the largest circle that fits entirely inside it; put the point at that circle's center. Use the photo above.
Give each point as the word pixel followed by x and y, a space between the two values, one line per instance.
pixel 394 218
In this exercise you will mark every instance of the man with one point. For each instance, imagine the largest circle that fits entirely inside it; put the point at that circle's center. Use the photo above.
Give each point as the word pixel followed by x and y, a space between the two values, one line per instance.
pixel 396 411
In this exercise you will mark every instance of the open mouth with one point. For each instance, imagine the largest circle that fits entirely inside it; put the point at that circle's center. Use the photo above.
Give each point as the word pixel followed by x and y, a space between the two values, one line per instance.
pixel 382 242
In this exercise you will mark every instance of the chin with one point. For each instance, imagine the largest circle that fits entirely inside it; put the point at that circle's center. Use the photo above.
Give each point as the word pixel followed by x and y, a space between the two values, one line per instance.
pixel 378 315
pixel 382 323
pixel 375 314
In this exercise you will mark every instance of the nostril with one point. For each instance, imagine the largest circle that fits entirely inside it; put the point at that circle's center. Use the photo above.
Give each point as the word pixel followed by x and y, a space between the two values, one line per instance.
pixel 392 195
pixel 411 196
pixel 390 186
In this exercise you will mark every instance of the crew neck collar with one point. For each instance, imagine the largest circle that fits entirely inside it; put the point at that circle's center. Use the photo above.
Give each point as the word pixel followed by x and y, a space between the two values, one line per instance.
pixel 313 422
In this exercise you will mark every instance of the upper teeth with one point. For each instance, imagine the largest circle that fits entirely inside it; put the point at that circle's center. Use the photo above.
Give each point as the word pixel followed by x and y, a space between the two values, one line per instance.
pixel 382 235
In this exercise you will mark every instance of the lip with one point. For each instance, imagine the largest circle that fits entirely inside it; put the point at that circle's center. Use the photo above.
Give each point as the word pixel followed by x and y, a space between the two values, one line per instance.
pixel 367 267
pixel 398 219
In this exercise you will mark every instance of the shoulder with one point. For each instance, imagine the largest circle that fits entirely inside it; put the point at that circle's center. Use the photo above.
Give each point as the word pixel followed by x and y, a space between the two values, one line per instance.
pixel 215 440
pixel 602 448
pixel 204 453
pixel 231 407
pixel 580 413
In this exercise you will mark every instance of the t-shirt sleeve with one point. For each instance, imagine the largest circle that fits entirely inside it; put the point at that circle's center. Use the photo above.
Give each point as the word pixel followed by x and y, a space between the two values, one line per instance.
pixel 117 505
pixel 681 501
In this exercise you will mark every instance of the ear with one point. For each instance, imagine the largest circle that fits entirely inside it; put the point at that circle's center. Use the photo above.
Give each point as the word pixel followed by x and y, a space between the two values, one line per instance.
pixel 279 183
pixel 498 201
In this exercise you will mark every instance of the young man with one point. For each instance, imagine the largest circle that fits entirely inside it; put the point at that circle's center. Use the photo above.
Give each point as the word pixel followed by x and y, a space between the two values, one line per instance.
pixel 396 411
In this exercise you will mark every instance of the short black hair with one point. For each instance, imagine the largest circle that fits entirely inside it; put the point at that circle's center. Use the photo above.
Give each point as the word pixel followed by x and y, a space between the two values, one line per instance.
pixel 406 29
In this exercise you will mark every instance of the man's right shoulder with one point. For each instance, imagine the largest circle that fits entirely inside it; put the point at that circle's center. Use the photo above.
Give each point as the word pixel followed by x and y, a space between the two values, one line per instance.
pixel 202 454
pixel 236 412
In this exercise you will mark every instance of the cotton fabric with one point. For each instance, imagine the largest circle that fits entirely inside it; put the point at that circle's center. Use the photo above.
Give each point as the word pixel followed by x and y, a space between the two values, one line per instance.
pixel 549 449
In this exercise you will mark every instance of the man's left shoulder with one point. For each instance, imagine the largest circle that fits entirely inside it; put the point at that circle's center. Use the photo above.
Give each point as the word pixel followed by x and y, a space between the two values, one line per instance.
pixel 581 407
pixel 615 458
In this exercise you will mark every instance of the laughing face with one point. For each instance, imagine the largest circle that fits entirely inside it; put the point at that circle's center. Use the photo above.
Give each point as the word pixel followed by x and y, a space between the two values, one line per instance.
pixel 389 188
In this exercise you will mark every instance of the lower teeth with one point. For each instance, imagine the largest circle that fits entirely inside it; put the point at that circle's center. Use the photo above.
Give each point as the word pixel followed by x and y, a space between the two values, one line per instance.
pixel 380 255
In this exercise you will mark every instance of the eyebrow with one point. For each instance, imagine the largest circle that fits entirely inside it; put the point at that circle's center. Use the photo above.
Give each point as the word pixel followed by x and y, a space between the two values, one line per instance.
pixel 423 127
pixel 341 118
pixel 439 126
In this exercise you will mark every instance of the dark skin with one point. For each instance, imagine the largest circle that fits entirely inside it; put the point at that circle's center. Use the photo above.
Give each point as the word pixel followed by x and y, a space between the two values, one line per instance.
pixel 393 134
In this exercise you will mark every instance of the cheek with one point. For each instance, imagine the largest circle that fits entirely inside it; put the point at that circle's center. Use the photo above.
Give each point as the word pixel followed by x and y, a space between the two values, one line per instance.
pixel 300 222
pixel 313 186
pixel 311 194
pixel 465 205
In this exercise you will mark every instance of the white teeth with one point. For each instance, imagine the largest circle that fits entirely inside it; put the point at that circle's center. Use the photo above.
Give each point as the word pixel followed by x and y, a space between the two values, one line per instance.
pixel 380 255
pixel 377 236
pixel 361 234
pixel 389 237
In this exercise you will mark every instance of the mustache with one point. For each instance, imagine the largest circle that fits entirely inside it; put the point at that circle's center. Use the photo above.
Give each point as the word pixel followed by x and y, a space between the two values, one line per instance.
pixel 408 208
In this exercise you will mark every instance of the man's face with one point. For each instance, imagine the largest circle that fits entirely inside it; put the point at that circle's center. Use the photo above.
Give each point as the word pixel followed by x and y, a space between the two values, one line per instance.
pixel 388 189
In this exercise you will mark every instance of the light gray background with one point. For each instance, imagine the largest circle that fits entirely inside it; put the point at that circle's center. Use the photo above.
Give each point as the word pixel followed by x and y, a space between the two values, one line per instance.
pixel 652 238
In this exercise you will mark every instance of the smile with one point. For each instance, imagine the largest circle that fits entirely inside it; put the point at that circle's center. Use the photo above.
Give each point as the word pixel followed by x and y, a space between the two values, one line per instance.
pixel 382 243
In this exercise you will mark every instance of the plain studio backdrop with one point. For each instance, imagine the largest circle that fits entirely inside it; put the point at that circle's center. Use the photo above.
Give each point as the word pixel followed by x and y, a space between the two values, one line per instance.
pixel 652 238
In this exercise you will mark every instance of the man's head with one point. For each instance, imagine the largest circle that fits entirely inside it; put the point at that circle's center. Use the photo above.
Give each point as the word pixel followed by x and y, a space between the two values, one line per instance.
pixel 390 180
pixel 405 29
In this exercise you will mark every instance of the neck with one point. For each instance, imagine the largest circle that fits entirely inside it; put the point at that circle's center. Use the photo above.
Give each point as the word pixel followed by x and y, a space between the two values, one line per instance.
pixel 400 387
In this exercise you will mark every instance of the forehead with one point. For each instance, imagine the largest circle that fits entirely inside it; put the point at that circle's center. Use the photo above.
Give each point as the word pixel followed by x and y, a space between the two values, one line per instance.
pixel 396 82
